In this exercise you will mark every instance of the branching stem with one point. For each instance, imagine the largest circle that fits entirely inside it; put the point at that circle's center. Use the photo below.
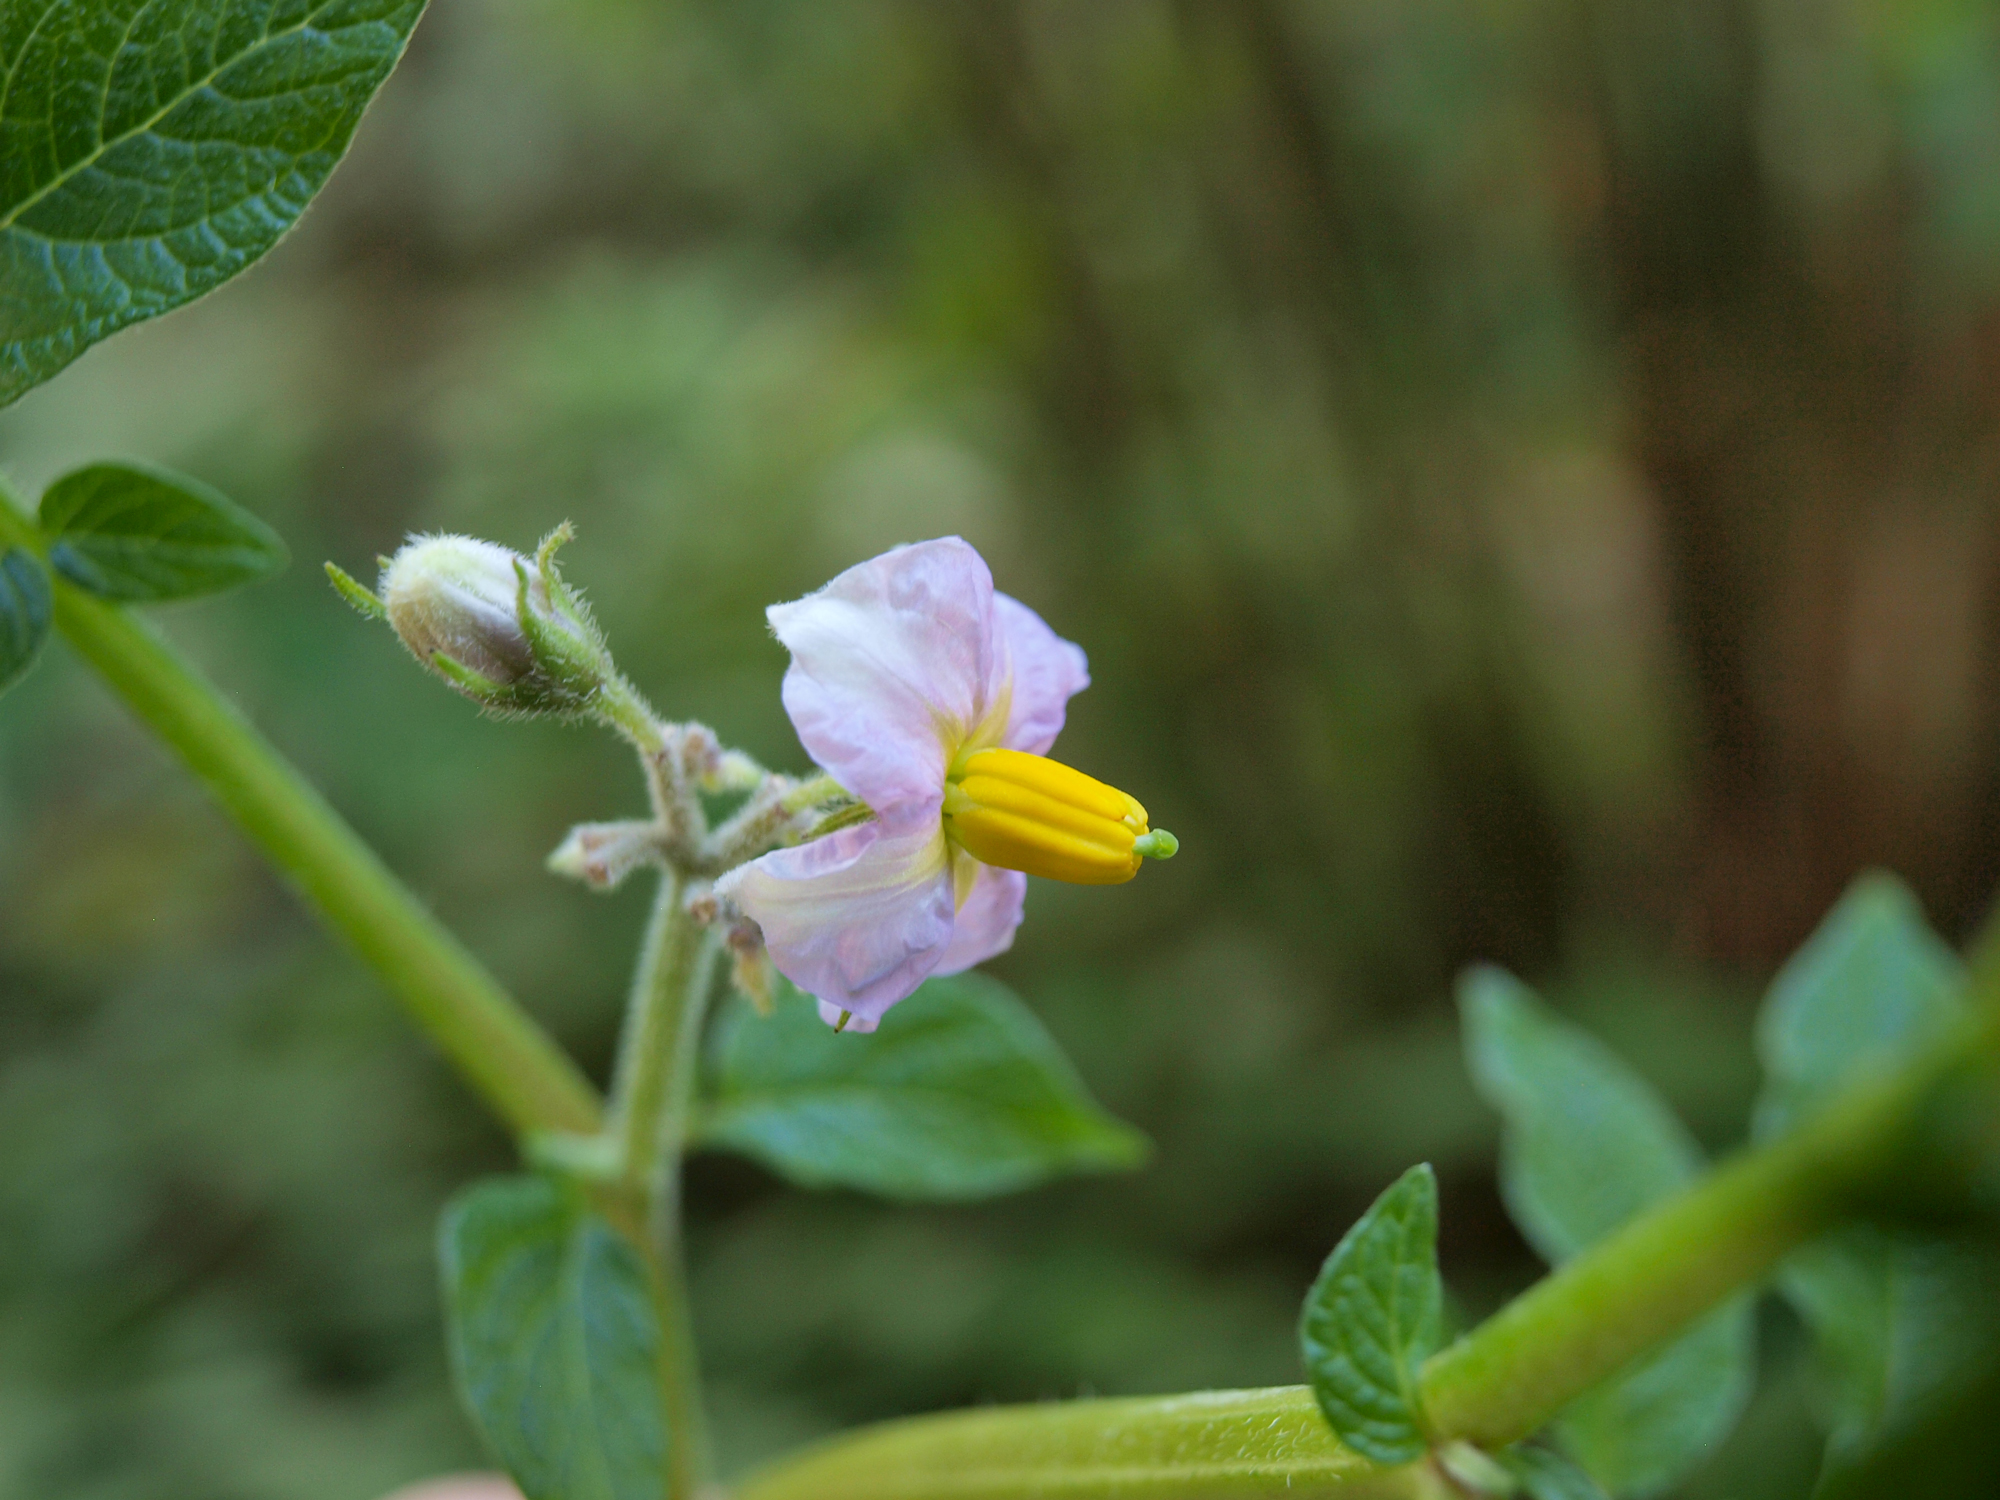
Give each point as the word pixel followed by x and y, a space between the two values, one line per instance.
pixel 1500 1383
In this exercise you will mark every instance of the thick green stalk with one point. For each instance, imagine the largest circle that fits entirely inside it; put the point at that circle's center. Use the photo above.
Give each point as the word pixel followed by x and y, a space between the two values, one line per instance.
pixel 1498 1385
pixel 1219 1443
pixel 499 1048
pixel 1649 1279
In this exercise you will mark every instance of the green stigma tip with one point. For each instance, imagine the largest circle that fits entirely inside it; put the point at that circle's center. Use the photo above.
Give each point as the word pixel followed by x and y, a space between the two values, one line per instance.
pixel 1159 844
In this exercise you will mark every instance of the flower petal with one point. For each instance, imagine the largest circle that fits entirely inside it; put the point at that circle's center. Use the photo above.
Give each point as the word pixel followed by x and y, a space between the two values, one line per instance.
pixel 894 665
pixel 1047 672
pixel 858 918
pixel 987 917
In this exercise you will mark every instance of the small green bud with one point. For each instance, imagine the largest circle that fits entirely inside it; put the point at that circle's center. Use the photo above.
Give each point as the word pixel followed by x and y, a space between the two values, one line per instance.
pixel 500 628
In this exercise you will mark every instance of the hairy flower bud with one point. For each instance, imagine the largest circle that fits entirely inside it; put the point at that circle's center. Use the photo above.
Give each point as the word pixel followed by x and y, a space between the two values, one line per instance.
pixel 501 628
pixel 601 855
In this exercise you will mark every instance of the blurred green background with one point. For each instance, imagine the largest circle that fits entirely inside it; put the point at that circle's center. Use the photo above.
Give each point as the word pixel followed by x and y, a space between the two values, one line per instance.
pixel 1524 472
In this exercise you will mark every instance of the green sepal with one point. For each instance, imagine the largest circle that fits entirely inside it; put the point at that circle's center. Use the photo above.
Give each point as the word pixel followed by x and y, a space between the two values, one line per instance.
pixel 476 684
pixel 361 597
pixel 1374 1315
pixel 571 658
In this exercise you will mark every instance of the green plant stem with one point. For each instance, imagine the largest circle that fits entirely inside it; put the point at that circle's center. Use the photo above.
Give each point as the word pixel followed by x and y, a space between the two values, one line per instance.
pixel 1219 1443
pixel 1649 1279
pixel 652 1102
pixel 1497 1385
pixel 507 1057
pixel 646 1049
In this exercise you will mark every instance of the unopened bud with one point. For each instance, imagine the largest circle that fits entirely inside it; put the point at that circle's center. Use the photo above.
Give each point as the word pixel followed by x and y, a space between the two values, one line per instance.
pixel 601 855
pixel 501 628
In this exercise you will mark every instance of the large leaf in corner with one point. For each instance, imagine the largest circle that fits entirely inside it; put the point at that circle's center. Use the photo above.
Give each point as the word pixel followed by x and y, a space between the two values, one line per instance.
pixel 151 149
pixel 960 1094
pixel 554 1341
pixel 1588 1144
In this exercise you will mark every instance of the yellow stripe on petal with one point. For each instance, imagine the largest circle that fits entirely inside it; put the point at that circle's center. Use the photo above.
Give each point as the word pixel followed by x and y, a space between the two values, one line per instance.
pixel 1027 812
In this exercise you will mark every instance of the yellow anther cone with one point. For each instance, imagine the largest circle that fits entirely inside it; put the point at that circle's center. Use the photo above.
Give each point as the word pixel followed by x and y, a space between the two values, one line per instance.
pixel 1027 812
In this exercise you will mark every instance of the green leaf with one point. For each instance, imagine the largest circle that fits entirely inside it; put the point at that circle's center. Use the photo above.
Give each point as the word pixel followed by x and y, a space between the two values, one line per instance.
pixel 1544 1474
pixel 554 1341
pixel 1373 1317
pixel 141 535
pixel 1587 1144
pixel 1897 1317
pixel 1893 1313
pixel 152 149
pixel 1642 1431
pixel 1872 982
pixel 24 613
pixel 960 1094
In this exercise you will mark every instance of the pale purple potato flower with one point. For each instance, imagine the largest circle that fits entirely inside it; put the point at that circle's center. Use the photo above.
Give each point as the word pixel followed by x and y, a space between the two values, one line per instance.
pixel 901 665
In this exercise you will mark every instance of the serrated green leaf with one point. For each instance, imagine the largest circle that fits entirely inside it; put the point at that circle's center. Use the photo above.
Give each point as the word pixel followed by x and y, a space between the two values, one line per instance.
pixel 141 535
pixel 1374 1315
pixel 1872 982
pixel 1544 1474
pixel 1587 1144
pixel 961 1094
pixel 554 1341
pixel 25 607
pixel 152 149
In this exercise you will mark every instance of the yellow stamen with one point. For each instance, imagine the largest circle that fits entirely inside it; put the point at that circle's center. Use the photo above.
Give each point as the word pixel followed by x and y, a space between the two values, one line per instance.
pixel 1027 812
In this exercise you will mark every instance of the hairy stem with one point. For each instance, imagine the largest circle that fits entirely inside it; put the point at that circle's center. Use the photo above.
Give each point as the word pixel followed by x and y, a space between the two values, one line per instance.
pixel 529 1081
pixel 1219 1443
pixel 652 1024
pixel 652 1103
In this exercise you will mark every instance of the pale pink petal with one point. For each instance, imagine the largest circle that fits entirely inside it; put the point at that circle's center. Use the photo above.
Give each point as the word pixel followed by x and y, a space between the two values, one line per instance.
pixel 987 919
pixel 858 918
pixel 894 665
pixel 1047 671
